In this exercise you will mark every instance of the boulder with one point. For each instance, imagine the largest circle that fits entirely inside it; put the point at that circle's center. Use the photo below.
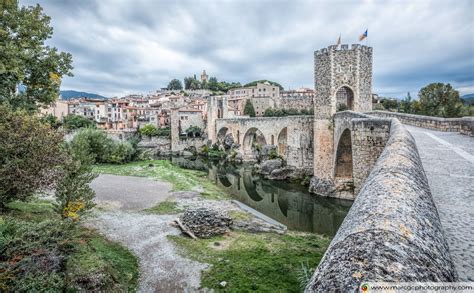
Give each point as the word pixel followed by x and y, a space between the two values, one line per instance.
pixel 282 173
pixel 268 166
pixel 205 222
pixel 187 154
pixel 323 187
pixel 266 150
pixel 228 141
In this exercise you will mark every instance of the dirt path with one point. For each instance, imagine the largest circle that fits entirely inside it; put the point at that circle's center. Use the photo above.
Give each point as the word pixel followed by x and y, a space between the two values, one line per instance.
pixel 121 198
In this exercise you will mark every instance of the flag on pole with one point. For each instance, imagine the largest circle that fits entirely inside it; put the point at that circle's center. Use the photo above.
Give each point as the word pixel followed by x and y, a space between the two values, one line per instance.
pixel 338 40
pixel 364 35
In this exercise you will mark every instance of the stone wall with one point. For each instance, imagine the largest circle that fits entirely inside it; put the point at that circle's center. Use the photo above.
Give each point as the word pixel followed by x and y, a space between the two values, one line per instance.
pixel 292 135
pixel 298 103
pixel 463 125
pixel 392 232
pixel 158 143
pixel 369 137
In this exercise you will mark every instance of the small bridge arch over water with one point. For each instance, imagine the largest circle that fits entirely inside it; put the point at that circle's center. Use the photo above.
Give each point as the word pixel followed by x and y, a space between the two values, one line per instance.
pixel 292 136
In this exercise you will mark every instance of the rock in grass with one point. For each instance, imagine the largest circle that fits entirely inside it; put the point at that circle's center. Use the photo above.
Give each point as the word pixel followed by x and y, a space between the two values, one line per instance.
pixel 205 222
pixel 223 284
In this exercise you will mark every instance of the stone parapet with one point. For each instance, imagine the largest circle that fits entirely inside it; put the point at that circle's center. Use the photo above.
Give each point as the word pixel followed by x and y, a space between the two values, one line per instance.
pixel 392 232
pixel 463 125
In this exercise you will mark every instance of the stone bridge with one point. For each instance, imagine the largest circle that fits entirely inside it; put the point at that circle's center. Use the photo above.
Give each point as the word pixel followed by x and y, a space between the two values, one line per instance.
pixel 292 136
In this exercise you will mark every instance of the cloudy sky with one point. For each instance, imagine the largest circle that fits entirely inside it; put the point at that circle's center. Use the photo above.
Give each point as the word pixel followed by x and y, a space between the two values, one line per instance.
pixel 137 46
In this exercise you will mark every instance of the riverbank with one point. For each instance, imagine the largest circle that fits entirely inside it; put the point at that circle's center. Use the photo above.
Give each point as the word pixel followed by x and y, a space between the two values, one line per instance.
pixel 251 257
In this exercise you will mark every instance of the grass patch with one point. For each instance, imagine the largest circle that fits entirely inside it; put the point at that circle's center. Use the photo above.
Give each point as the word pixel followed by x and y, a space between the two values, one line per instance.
pixel 239 215
pixel 182 179
pixel 40 252
pixel 266 262
pixel 165 208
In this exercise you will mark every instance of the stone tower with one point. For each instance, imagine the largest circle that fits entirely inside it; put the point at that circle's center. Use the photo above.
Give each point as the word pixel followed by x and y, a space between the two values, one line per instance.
pixel 343 81
pixel 217 107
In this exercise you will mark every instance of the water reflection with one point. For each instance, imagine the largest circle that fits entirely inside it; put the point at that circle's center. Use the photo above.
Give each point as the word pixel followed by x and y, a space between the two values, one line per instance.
pixel 289 204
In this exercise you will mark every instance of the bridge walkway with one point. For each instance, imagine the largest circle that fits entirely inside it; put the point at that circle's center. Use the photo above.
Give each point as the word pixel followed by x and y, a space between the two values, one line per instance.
pixel 448 160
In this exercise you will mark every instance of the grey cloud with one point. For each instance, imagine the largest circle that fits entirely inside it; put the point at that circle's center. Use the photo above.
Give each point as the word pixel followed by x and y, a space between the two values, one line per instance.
pixel 123 46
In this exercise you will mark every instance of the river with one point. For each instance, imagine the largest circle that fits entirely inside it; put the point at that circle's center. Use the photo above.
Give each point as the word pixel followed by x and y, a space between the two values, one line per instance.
pixel 288 203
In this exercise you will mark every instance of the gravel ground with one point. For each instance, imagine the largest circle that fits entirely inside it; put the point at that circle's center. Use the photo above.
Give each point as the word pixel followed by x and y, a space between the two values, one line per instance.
pixel 448 160
pixel 129 193
pixel 121 199
pixel 162 269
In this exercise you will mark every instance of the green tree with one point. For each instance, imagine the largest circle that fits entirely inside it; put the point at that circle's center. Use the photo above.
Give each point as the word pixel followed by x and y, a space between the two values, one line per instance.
pixel 213 84
pixel 406 104
pixel 439 99
pixel 72 122
pixel 30 155
pixel 94 142
pixel 269 112
pixel 73 194
pixel 25 60
pixel 389 103
pixel 190 83
pixel 254 83
pixel 149 130
pixel 249 109
pixel 51 120
pixel 175 84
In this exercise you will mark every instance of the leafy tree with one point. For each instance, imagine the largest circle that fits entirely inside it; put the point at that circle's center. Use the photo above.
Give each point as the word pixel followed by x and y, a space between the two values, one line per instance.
pixel 148 130
pixel 30 154
pixel 389 103
pixel 25 60
pixel 51 120
pixel 439 99
pixel 254 83
pixel 269 112
pixel 190 83
pixel 175 84
pixel 72 122
pixel 122 152
pixel 94 142
pixel 213 84
pixel 73 194
pixel 249 109
pixel 405 104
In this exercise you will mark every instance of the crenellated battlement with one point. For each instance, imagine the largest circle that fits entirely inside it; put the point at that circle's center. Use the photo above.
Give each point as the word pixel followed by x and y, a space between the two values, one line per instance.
pixel 343 47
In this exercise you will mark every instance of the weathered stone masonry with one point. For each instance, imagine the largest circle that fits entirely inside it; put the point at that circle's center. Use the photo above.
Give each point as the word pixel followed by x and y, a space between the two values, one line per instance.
pixel 392 232
pixel 464 125
pixel 343 77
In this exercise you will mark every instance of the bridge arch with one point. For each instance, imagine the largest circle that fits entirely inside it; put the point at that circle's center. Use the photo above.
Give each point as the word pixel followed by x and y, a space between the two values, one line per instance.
pixel 343 164
pixel 283 141
pixel 344 98
pixel 222 133
pixel 252 137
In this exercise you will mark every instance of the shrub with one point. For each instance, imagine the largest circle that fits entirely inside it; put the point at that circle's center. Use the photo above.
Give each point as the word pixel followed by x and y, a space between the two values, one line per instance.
pixel 249 109
pixel 193 131
pixel 73 194
pixel 122 152
pixel 102 148
pixel 96 142
pixel 166 132
pixel 149 130
pixel 273 154
pixel 30 154
pixel 72 122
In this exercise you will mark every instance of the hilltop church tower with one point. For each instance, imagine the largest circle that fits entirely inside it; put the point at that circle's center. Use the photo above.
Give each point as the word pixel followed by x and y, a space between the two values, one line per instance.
pixel 342 81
